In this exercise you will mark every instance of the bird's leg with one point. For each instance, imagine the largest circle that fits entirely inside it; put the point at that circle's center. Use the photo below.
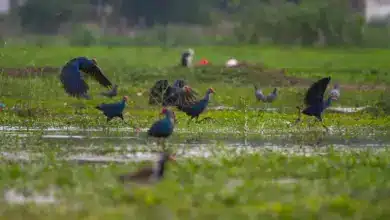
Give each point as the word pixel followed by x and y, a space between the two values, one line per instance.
pixel 189 120
pixel 205 119
pixel 323 125
pixel 299 116
pixel 163 145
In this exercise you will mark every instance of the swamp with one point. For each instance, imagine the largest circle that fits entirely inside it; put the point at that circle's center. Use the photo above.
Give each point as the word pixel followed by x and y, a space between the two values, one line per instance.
pixel 248 162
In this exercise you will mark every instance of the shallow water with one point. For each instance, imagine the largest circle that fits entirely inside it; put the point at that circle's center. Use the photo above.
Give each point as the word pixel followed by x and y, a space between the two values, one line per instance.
pixel 339 109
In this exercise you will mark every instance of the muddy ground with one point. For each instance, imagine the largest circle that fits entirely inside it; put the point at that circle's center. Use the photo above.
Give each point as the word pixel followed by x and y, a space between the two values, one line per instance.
pixel 246 72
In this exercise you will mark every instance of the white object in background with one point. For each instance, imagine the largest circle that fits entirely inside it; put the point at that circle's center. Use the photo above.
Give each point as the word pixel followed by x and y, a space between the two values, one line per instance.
pixel 231 62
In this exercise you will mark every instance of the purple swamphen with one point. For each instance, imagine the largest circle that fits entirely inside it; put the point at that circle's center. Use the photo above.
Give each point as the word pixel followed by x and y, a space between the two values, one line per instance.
pixel 314 100
pixel 196 108
pixel 113 110
pixel 261 97
pixel 163 128
pixel 166 95
pixel 72 78
pixel 149 174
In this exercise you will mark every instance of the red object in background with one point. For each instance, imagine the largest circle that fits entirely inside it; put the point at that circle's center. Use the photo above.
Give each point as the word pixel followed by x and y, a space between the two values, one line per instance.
pixel 203 62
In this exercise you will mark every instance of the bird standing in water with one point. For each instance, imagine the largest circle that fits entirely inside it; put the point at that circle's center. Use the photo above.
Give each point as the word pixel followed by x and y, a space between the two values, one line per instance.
pixel 163 128
pixel 197 108
pixel 314 100
pixel 149 174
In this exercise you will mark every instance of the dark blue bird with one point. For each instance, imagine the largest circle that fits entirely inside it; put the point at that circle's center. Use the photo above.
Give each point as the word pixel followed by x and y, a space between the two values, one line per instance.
pixel 314 100
pixel 113 110
pixel 163 128
pixel 197 108
pixel 72 78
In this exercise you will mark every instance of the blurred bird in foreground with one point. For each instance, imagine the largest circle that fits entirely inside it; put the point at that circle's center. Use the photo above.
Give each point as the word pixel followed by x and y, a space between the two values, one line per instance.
pixel 113 110
pixel 177 94
pixel 163 128
pixel 72 78
pixel 149 174
pixel 314 100
pixel 196 108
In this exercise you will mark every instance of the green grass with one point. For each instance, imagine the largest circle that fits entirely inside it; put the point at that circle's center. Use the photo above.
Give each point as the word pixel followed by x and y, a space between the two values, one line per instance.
pixel 330 184
pixel 266 185
pixel 163 57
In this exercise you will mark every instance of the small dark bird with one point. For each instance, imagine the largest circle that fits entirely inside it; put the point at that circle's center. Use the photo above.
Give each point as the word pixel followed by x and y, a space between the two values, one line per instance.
pixel 163 128
pixel 113 110
pixel 2 106
pixel 187 58
pixel 177 94
pixel 197 108
pixel 261 97
pixel 315 102
pixel 113 92
pixel 149 174
pixel 72 78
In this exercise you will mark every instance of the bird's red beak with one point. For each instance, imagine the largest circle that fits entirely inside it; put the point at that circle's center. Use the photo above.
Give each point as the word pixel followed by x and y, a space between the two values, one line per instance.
pixel 126 98
pixel 94 61
pixel 212 90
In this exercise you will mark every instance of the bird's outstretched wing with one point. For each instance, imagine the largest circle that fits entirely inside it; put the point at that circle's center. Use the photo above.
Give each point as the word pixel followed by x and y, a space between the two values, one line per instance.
pixel 73 82
pixel 179 83
pixel 315 94
pixel 156 93
pixel 97 74
pixel 179 96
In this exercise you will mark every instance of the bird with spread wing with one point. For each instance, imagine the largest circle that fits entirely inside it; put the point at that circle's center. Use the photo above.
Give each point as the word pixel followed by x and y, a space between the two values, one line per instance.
pixel 314 100
pixel 166 95
pixel 72 77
